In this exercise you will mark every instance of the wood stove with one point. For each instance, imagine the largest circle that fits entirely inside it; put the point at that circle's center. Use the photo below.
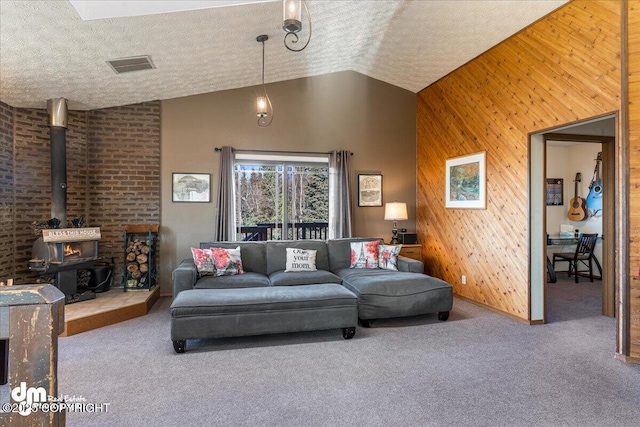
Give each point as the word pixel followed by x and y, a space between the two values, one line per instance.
pixel 62 252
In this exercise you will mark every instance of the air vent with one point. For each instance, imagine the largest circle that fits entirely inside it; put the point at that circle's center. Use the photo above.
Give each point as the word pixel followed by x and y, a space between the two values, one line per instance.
pixel 127 65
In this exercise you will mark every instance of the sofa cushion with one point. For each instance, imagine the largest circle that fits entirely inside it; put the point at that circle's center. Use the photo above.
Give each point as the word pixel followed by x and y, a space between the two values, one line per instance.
pixel 277 253
pixel 388 282
pixel 340 251
pixel 252 253
pixel 246 280
pixel 288 278
pixel 301 259
pixel 190 303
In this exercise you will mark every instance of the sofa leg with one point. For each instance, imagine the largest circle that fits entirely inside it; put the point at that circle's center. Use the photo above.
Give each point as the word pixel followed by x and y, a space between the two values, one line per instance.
pixel 348 333
pixel 366 323
pixel 179 346
pixel 443 315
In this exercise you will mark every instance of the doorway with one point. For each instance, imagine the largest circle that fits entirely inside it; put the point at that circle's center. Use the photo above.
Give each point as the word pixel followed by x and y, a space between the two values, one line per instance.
pixel 583 140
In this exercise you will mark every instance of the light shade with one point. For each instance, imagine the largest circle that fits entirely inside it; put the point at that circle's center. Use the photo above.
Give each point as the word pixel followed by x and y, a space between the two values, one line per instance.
pixel 261 106
pixel 395 210
pixel 291 16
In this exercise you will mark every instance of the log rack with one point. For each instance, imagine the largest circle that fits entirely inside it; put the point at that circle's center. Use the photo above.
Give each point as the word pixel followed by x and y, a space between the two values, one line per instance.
pixel 140 249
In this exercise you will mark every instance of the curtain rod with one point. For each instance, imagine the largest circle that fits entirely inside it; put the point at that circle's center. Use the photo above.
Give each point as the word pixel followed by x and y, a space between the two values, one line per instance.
pixel 278 152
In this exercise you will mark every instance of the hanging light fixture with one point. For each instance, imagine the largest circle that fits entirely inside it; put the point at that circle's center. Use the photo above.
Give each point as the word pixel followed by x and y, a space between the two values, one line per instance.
pixel 292 22
pixel 264 108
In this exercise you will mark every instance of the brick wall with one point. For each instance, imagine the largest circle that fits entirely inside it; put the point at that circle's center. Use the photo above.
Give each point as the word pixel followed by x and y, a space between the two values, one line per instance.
pixel 113 176
pixel 124 183
pixel 6 193
pixel 33 177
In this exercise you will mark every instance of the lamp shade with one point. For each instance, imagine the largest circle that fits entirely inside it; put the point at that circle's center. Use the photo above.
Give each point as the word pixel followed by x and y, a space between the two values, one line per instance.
pixel 395 210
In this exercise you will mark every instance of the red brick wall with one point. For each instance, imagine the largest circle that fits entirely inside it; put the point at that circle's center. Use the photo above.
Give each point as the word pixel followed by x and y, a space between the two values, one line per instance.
pixel 113 177
pixel 7 270
pixel 124 183
pixel 33 177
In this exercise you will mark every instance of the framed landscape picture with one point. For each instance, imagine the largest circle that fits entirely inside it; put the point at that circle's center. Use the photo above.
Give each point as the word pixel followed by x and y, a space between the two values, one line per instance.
pixel 369 190
pixel 466 185
pixel 191 187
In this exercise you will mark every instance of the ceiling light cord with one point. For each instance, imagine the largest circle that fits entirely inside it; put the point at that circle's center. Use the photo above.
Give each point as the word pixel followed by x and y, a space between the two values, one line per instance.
pixel 295 36
pixel 266 118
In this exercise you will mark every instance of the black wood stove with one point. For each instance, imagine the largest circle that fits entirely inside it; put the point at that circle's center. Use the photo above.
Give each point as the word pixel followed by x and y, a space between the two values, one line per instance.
pixel 63 252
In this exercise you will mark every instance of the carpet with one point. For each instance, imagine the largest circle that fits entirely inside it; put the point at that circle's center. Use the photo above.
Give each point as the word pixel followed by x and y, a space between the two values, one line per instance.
pixel 476 369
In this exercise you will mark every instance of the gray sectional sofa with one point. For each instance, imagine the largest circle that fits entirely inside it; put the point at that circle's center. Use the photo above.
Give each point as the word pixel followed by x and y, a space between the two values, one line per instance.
pixel 266 299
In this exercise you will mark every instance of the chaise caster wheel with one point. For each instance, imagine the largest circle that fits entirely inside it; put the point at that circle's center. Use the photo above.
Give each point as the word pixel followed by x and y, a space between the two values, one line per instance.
pixel 366 323
pixel 348 333
pixel 443 315
pixel 179 346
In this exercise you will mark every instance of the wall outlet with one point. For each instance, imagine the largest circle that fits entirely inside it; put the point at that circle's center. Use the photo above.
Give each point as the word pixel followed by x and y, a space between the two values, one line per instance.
pixel 464 279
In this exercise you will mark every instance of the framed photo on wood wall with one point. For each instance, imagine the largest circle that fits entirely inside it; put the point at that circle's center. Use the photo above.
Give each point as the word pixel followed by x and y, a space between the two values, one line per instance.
pixel 466 182
pixel 370 190
pixel 191 187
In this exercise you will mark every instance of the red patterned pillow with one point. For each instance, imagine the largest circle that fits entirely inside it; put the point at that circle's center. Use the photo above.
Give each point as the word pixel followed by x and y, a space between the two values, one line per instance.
pixel 388 257
pixel 364 254
pixel 227 261
pixel 203 260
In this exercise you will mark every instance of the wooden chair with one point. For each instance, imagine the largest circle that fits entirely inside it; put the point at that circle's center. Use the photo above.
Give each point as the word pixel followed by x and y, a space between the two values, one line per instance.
pixel 583 254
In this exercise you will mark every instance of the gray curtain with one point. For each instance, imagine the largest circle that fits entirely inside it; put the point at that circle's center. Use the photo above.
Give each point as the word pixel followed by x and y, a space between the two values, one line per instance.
pixel 226 203
pixel 340 194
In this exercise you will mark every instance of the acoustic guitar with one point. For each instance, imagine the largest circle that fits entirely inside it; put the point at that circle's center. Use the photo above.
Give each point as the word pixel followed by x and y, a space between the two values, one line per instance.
pixel 578 208
pixel 594 198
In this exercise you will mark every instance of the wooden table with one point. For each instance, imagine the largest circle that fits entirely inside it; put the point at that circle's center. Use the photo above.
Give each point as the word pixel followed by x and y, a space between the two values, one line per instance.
pixel 412 251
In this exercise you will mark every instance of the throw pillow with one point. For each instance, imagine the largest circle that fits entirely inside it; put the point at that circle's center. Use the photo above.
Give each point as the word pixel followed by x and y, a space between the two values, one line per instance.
pixel 203 260
pixel 301 260
pixel 227 261
pixel 388 257
pixel 364 254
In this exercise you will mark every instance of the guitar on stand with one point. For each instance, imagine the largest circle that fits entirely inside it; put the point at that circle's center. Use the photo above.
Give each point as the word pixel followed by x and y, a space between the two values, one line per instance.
pixel 578 208
pixel 594 198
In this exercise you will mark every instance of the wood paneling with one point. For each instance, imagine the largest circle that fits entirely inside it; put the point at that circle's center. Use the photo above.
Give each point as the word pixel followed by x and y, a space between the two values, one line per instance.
pixel 634 173
pixel 563 68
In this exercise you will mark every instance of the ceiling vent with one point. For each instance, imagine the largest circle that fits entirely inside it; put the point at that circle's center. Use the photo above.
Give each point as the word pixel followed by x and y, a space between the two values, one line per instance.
pixel 127 65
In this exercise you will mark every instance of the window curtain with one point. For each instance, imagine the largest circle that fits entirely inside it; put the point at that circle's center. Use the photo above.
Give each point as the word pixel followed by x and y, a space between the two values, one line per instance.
pixel 340 194
pixel 226 203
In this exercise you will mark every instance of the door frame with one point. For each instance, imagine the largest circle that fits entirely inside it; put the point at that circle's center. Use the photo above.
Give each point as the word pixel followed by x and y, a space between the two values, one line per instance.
pixel 614 224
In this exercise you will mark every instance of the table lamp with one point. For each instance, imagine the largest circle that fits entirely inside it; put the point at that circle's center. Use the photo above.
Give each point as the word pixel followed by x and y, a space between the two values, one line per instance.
pixel 393 212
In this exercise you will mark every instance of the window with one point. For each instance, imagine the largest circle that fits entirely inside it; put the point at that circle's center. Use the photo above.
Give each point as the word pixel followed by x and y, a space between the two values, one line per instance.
pixel 281 197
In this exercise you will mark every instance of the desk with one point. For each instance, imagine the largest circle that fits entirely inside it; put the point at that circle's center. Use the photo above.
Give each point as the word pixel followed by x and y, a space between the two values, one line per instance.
pixel 557 240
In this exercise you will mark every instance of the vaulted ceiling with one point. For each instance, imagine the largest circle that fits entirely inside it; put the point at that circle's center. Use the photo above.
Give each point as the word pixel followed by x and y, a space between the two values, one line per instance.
pixel 47 50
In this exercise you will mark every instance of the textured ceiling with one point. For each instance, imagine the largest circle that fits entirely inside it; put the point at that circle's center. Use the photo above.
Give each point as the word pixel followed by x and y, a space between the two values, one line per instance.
pixel 48 51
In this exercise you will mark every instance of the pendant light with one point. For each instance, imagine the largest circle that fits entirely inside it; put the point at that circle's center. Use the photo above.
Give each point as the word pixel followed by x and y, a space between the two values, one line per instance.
pixel 292 23
pixel 264 108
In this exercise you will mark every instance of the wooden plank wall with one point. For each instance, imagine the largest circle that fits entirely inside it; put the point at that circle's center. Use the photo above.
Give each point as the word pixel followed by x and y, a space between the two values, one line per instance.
pixel 564 68
pixel 634 173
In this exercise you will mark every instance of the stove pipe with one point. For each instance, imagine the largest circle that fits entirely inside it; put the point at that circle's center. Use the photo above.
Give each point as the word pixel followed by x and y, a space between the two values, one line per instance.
pixel 57 109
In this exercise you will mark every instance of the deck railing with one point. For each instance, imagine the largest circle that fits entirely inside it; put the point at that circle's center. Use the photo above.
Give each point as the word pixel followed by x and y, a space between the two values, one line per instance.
pixel 296 231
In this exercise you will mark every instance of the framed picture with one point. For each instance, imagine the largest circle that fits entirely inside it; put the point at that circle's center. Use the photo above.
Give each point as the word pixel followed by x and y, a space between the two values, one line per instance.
pixel 466 185
pixel 369 190
pixel 191 187
pixel 555 191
